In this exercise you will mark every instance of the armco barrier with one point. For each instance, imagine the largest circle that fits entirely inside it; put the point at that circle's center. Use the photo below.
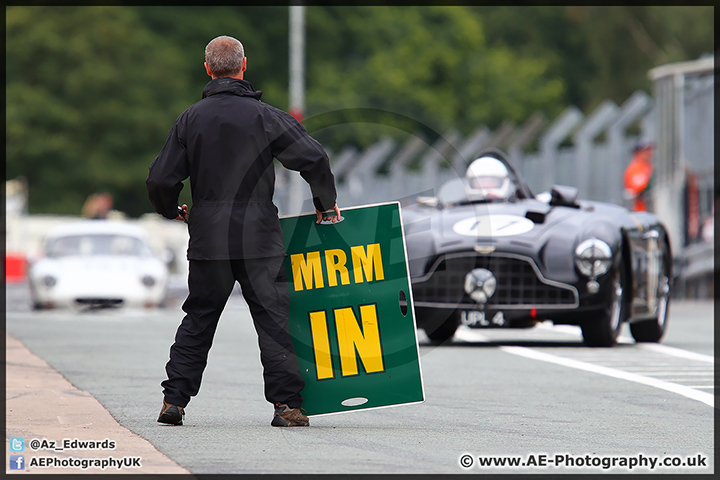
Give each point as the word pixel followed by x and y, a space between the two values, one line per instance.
pixel 15 268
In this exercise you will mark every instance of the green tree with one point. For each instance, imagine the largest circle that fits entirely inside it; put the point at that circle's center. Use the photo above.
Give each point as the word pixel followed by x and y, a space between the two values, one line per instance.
pixel 263 32
pixel 90 98
pixel 602 51
pixel 623 43
pixel 429 64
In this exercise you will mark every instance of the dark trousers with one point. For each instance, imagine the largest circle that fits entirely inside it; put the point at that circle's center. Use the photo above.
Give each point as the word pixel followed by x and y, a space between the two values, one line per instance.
pixel 264 287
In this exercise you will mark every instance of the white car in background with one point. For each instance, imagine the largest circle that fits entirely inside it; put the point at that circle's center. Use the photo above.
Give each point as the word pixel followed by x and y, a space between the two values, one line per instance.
pixel 97 263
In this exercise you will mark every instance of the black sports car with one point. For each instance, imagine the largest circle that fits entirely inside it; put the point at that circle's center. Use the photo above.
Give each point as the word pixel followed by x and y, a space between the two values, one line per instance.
pixel 487 253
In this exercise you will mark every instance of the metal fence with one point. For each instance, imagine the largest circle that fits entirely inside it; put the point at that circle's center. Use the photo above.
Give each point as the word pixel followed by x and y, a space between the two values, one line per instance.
pixel 588 151
pixel 567 151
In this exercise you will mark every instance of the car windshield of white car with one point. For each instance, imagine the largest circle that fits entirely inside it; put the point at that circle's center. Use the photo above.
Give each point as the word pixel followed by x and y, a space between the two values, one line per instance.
pixel 88 245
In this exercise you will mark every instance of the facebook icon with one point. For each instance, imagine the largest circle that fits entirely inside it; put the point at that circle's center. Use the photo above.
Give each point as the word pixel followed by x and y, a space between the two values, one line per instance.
pixel 17 462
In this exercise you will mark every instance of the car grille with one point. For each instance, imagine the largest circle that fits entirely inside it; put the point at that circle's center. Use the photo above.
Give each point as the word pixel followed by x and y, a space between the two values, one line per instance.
pixel 519 284
pixel 99 302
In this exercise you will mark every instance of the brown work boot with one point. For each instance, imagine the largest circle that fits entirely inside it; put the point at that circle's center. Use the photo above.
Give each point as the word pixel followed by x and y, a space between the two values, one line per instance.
pixel 171 414
pixel 289 417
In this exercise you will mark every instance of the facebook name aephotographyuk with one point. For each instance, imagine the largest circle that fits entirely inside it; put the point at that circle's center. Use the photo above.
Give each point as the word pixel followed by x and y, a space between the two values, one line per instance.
pixel 585 461
pixel 17 462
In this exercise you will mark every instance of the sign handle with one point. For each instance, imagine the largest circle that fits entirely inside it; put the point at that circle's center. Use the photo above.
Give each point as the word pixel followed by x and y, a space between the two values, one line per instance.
pixel 330 222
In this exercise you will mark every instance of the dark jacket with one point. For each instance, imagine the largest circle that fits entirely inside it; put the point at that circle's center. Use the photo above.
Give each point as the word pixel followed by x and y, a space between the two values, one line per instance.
pixel 226 143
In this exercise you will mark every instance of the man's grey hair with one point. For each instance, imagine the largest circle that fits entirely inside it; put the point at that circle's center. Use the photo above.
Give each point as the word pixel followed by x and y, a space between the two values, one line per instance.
pixel 224 56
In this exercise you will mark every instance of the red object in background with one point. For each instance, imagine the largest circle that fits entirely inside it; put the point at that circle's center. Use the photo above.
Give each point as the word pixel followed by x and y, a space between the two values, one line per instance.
pixel 15 268
pixel 297 113
pixel 637 176
pixel 639 205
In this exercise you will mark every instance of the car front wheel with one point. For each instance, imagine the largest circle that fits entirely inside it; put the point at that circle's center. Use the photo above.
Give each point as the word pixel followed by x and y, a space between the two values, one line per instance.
pixel 653 330
pixel 444 332
pixel 37 306
pixel 605 330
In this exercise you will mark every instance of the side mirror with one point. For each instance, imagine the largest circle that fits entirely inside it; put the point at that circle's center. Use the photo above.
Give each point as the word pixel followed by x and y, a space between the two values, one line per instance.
pixel 543 197
pixel 564 196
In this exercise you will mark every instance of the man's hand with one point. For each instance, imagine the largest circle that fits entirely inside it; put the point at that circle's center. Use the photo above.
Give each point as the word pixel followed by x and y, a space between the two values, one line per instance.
pixel 320 216
pixel 182 213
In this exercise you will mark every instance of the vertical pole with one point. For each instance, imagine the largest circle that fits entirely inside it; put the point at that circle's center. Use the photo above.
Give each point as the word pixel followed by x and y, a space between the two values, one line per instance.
pixel 297 61
pixel 297 95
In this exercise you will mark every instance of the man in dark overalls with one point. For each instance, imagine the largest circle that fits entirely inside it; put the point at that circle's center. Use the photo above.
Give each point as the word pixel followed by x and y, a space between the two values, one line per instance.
pixel 225 144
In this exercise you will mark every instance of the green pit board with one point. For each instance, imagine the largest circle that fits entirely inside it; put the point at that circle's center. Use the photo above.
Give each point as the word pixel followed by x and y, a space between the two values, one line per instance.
pixel 351 316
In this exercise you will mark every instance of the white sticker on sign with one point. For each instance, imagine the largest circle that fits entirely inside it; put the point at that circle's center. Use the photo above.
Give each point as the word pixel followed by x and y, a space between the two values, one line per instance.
pixel 493 226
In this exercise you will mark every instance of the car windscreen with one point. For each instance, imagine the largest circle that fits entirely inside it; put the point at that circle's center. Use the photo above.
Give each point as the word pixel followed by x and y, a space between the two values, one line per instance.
pixel 459 191
pixel 97 244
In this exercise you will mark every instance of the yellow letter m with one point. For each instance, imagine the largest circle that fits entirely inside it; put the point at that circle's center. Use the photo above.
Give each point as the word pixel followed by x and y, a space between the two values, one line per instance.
pixel 306 270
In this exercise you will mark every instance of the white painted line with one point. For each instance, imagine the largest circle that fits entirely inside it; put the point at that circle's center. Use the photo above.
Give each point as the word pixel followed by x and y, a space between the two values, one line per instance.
pixel 680 380
pixel 656 347
pixel 676 352
pixel 672 367
pixel 704 397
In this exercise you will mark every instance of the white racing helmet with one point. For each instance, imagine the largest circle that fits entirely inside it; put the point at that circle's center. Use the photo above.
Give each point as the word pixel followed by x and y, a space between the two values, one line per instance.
pixel 491 177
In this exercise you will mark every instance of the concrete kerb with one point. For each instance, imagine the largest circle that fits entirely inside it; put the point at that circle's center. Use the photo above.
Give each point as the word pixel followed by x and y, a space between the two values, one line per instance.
pixel 41 404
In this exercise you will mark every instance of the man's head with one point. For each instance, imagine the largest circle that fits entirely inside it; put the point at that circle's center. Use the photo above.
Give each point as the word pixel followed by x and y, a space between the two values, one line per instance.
pixel 644 150
pixel 225 57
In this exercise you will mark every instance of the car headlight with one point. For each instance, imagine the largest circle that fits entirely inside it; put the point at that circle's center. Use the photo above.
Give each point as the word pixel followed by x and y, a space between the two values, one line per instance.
pixel 148 280
pixel 593 257
pixel 49 281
